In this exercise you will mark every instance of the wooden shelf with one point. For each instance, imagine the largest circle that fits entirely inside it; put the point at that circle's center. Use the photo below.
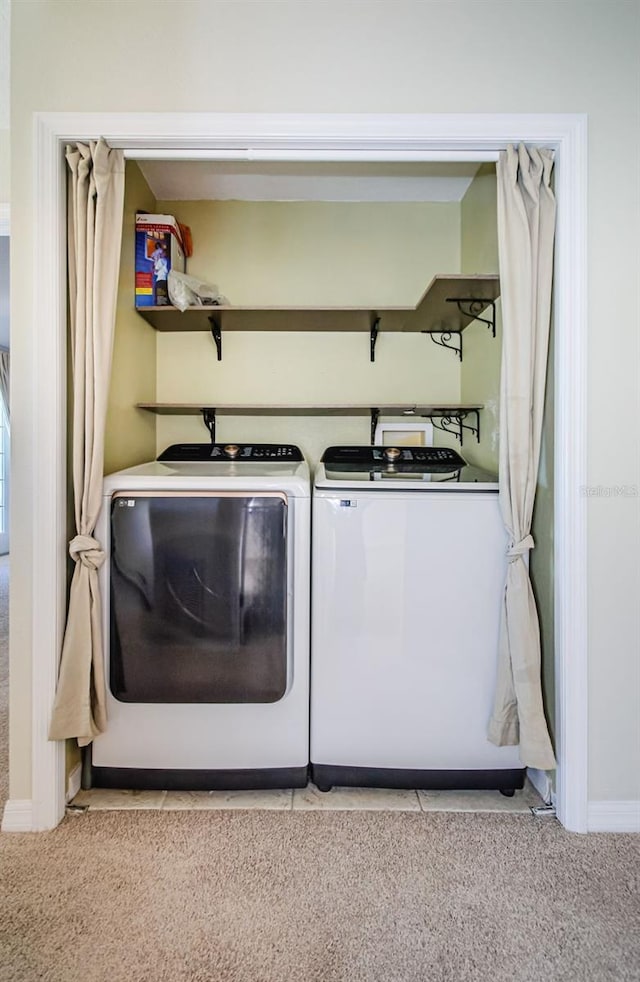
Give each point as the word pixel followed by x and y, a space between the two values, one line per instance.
pixel 444 307
pixel 258 318
pixel 354 409
pixel 452 417
pixel 448 305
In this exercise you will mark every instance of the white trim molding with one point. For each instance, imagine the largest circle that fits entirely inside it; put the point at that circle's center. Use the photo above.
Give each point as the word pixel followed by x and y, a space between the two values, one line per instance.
pixel 570 467
pixel 49 429
pixel 18 816
pixel 311 137
pixel 276 136
pixel 614 816
pixel 5 218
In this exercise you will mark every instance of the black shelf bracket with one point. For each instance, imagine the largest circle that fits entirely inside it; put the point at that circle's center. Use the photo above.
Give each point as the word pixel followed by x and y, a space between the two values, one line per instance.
pixel 443 337
pixel 474 307
pixel 374 337
pixel 455 423
pixel 209 418
pixel 216 334
pixel 375 416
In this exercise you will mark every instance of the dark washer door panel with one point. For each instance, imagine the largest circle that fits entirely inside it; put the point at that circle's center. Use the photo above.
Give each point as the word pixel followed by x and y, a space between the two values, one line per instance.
pixel 198 597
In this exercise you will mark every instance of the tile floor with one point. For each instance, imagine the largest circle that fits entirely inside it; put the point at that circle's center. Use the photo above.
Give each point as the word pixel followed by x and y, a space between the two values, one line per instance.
pixel 309 798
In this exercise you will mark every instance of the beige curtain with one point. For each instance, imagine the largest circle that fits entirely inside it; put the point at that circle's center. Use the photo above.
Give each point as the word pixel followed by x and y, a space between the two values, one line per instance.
pixel 95 210
pixel 526 223
pixel 4 383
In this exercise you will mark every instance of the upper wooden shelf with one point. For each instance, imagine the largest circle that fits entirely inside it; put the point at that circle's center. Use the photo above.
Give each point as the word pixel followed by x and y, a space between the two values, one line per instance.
pixel 318 409
pixel 448 304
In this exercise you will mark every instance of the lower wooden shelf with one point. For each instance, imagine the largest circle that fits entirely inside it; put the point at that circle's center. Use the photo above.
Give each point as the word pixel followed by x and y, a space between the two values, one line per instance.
pixel 453 417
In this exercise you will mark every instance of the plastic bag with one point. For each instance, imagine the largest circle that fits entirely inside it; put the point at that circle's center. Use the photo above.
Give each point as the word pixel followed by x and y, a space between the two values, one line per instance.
pixel 187 291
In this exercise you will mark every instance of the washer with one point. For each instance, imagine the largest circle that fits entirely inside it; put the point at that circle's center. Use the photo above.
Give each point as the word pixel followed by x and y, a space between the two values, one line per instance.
pixel 206 620
pixel 408 574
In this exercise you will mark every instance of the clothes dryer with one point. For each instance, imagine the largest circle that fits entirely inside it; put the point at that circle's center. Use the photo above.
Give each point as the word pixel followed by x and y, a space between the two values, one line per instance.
pixel 408 575
pixel 206 620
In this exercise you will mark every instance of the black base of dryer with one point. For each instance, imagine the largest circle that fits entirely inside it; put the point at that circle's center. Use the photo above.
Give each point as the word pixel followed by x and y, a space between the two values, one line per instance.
pixel 162 779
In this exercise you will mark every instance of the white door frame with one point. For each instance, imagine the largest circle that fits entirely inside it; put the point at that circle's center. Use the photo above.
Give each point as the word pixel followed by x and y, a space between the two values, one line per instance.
pixel 310 137
pixel 5 230
pixel 6 479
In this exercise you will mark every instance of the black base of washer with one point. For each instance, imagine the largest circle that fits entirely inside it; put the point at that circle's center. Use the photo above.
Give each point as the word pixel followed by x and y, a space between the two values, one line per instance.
pixel 157 779
pixel 327 776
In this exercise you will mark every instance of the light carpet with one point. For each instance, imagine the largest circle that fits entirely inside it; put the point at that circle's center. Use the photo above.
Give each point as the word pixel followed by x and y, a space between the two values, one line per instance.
pixel 262 896
pixel 257 896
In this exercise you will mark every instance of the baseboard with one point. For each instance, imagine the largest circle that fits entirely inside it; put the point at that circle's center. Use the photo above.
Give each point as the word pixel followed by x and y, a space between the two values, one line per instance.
pixel 18 815
pixel 73 783
pixel 613 816
pixel 542 783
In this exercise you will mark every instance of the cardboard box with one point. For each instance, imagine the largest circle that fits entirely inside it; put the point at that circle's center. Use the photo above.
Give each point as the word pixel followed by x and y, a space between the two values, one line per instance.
pixel 158 249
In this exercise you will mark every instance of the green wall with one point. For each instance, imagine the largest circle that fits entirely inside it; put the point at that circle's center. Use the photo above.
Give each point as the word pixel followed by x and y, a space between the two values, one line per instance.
pixel 480 370
pixel 130 433
pixel 542 557
pixel 309 253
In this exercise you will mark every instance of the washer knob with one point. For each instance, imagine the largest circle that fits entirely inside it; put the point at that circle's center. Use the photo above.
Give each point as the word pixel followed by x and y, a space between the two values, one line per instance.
pixel 391 454
pixel 231 450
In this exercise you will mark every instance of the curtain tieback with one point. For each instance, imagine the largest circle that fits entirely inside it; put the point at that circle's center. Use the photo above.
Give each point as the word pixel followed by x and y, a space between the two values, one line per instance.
pixel 520 548
pixel 86 549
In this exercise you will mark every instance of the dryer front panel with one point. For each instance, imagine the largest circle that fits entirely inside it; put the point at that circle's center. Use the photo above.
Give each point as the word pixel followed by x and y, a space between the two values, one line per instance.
pixel 198 605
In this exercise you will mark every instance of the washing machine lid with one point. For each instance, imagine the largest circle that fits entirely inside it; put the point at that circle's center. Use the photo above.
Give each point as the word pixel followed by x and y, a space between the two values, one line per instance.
pixel 205 467
pixel 399 468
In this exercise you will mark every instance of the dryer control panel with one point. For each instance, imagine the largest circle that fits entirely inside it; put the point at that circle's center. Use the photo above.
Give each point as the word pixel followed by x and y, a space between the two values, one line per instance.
pixel 232 451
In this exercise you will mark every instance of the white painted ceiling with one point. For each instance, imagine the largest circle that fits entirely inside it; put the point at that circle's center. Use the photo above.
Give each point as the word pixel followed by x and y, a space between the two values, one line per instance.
pixel 309 181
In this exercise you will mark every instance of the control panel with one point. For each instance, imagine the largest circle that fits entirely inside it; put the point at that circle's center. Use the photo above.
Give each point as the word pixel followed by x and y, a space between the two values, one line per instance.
pixel 239 452
pixel 415 459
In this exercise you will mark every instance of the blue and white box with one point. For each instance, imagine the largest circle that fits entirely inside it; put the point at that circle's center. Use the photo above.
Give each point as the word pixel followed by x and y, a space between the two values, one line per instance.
pixel 159 248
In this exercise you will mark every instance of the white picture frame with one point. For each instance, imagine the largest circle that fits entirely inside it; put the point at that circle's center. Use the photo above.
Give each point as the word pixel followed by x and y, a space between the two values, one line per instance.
pixel 403 434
